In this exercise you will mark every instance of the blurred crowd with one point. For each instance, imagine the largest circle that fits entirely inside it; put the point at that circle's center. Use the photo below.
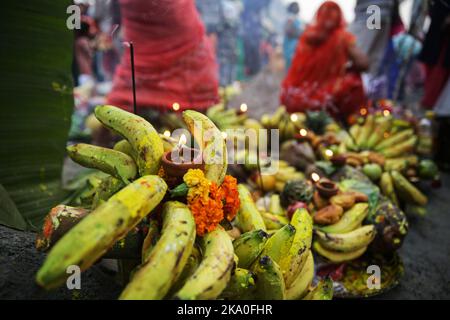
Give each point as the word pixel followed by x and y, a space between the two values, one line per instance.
pixel 186 49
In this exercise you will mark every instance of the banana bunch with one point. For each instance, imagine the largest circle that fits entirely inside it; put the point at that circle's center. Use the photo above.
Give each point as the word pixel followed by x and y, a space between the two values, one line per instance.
pixel 276 267
pixel 275 181
pixel 392 138
pixel 288 124
pixel 346 239
pixel 396 187
pixel 226 118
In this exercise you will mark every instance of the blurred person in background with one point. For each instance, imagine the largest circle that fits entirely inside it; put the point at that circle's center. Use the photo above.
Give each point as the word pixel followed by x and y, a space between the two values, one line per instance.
pixel 222 19
pixel 252 34
pixel 175 65
pixel 292 31
pixel 373 42
pixel 84 48
pixel 436 52
pixel 325 69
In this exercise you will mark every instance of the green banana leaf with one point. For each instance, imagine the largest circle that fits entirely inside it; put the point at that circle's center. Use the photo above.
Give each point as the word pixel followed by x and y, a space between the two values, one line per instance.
pixel 36 106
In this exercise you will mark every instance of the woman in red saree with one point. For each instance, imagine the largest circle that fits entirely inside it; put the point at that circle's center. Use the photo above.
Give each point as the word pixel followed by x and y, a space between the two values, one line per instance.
pixel 174 59
pixel 325 69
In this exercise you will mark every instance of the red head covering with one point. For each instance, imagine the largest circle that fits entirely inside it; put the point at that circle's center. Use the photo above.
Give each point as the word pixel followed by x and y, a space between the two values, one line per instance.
pixel 320 61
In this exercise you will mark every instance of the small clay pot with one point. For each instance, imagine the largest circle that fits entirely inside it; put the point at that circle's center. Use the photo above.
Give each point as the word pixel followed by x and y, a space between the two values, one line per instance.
pixel 178 170
pixel 327 188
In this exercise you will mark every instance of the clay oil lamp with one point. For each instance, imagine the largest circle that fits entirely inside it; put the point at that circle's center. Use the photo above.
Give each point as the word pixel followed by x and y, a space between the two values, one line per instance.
pixel 185 158
pixel 327 188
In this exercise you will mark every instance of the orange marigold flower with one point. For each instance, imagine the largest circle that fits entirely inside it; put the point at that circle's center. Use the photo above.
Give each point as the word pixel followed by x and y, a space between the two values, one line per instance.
pixel 230 197
pixel 208 213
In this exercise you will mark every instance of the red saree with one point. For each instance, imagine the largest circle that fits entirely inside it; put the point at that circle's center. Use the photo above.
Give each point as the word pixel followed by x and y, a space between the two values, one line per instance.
pixel 174 61
pixel 318 78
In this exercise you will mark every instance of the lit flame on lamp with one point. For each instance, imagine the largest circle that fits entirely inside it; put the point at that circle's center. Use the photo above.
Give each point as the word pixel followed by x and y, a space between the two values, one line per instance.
pixel 244 107
pixel 182 141
pixel 363 111
pixel 315 177
pixel 294 117
pixel 386 113
pixel 303 132
pixel 167 133
pixel 176 106
pixel 329 153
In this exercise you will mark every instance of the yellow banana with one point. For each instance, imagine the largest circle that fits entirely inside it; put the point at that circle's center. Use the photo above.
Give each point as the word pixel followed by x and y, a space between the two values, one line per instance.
pixel 248 216
pixel 347 242
pixel 211 142
pixel 167 259
pixel 213 273
pixel 350 220
pixel 85 243
pixel 336 256
pixel 299 288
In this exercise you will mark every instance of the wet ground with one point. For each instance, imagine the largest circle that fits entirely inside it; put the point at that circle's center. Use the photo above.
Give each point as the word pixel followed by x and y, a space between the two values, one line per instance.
pixel 426 255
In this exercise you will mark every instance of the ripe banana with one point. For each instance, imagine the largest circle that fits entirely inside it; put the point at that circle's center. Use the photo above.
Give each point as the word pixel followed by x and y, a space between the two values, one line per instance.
pixel 336 256
pixel 293 262
pixel 144 139
pixel 248 216
pixel 347 242
pixel 167 259
pixel 394 139
pixel 191 265
pixel 213 273
pixel 301 284
pixel 241 286
pixel 350 220
pixel 115 163
pixel 279 243
pixel 85 243
pixel 249 246
pixel 211 142
pixel 269 280
pixel 273 221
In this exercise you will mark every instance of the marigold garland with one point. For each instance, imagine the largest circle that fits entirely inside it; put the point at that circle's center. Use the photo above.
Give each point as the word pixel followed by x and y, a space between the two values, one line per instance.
pixel 209 203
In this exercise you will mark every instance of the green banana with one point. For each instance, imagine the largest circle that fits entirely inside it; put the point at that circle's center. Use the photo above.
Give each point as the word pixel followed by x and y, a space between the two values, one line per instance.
pixel 108 187
pixel 275 205
pixel 85 243
pixel 387 187
pixel 249 246
pixel 269 280
pixel 115 163
pixel 214 271
pixel 347 242
pixel 394 139
pixel 301 284
pixel 125 147
pixel 211 142
pixel 336 256
pixel 241 286
pixel 248 216
pixel 167 259
pixel 292 263
pixel 366 131
pixel 323 291
pixel 273 221
pixel 151 239
pixel 407 191
pixel 144 139
pixel 349 221
pixel 279 243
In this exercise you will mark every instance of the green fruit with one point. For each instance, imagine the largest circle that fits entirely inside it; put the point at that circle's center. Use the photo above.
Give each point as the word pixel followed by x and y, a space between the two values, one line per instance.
pixel 428 169
pixel 249 246
pixel 373 171
pixel 296 191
